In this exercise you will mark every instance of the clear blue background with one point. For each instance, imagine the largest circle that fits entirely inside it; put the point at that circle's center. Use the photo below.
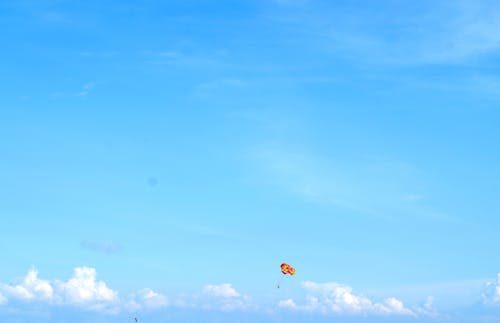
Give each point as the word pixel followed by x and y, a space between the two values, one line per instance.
pixel 208 141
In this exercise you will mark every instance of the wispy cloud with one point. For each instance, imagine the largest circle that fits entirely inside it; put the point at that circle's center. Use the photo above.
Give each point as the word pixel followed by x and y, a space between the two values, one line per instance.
pixel 473 30
pixel 369 185
pixel 86 88
pixel 424 33
pixel 82 93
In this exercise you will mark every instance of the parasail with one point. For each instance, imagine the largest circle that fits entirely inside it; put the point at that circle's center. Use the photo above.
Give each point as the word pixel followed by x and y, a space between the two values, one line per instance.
pixel 287 269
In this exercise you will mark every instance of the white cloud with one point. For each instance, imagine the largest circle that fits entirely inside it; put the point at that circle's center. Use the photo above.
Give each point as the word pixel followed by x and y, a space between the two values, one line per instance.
pixel 225 297
pixel 287 303
pixel 84 288
pixel 222 290
pixel 146 299
pixel 81 290
pixel 32 288
pixel 340 299
pixel 491 293
pixel 395 306
pixel 427 308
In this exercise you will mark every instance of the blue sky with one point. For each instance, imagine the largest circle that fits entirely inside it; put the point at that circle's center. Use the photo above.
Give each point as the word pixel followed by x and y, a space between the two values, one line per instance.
pixel 160 159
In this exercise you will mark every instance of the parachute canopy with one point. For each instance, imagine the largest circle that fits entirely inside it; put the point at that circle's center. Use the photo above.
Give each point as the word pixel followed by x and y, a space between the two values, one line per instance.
pixel 287 269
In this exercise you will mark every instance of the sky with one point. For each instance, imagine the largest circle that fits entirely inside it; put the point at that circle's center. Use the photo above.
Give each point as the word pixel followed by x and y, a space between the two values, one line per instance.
pixel 161 159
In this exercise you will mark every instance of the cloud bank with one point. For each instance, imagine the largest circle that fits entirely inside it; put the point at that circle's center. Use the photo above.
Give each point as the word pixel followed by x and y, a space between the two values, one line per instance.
pixel 82 290
pixel 335 298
